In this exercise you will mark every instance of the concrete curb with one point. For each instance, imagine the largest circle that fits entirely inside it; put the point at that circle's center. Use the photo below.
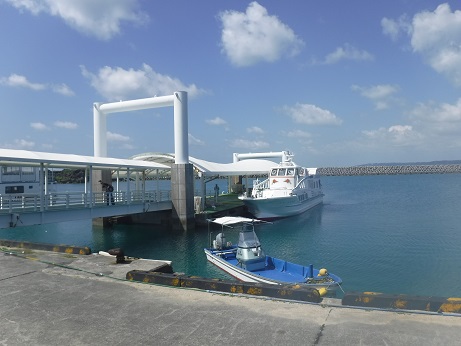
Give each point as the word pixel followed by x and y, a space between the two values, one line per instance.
pixel 288 292
pixel 69 249
pixel 402 302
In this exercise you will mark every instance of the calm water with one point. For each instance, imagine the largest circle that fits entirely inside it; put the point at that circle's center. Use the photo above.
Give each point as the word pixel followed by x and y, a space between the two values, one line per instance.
pixel 391 234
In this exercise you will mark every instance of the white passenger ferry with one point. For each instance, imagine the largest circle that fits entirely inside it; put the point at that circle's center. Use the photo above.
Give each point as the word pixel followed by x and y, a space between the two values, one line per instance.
pixel 289 190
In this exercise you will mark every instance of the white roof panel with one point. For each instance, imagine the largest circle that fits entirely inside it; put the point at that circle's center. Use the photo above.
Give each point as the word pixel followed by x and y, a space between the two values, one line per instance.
pixel 34 158
pixel 244 167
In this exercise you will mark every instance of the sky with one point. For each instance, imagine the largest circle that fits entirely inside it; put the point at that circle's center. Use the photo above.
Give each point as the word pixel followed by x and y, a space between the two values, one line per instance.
pixel 337 83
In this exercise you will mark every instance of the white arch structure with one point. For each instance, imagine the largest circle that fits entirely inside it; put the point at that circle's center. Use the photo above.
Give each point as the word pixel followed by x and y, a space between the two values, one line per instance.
pixel 285 155
pixel 179 102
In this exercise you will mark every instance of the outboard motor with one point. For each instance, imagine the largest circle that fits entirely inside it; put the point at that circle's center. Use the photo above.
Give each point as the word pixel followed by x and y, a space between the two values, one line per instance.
pixel 220 242
pixel 250 255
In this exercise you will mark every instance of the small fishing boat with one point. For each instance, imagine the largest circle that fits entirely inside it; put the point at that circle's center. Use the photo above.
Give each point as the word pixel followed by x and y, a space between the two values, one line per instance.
pixel 247 261
pixel 289 190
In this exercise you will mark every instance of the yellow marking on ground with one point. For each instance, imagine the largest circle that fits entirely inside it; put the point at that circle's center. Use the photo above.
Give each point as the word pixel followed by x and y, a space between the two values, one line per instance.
pixel 400 304
pixel 254 291
pixel 365 300
pixel 452 305
pixel 236 289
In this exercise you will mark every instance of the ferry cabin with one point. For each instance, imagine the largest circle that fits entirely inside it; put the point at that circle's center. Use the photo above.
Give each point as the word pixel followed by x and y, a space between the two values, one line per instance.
pixel 19 180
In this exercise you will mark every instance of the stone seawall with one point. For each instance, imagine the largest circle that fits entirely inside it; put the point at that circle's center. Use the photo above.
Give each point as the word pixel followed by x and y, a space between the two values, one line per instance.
pixel 383 170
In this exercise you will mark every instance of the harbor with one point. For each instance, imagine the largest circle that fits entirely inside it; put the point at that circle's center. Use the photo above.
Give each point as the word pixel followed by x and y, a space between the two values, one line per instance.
pixel 53 298
pixel 395 291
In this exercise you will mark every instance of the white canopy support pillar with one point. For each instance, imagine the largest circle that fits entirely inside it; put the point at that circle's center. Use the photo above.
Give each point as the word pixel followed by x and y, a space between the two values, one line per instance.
pixel 182 175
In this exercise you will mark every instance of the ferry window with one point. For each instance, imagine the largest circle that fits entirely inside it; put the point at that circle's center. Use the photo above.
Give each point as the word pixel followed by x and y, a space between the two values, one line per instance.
pixel 290 171
pixel 14 189
pixel 27 170
pixel 10 170
pixel 274 172
pixel 282 171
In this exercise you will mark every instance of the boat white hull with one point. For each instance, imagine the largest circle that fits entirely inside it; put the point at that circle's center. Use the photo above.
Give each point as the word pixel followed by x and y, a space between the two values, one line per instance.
pixel 247 276
pixel 237 273
pixel 279 207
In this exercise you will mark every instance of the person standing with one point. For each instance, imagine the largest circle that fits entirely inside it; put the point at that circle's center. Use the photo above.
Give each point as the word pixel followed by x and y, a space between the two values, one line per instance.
pixel 216 193
pixel 109 192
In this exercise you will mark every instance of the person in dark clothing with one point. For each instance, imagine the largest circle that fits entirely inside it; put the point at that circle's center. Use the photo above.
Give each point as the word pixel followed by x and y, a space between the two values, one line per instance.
pixel 109 192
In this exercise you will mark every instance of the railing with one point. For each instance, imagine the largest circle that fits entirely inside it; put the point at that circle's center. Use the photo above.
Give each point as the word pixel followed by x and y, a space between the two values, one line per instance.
pixel 258 187
pixel 32 202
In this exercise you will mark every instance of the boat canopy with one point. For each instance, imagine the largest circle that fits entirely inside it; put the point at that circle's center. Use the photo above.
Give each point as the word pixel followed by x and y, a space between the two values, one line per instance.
pixel 232 220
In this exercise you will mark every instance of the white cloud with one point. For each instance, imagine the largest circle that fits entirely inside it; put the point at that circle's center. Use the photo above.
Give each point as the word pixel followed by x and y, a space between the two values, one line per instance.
pixel 117 84
pixel 255 129
pixel 248 144
pixel 396 135
pixel 116 137
pixel 216 121
pixel 393 28
pixel 39 126
pixel 18 81
pixel 195 141
pixel 297 134
pixel 23 144
pixel 66 125
pixel 436 35
pixel 101 19
pixel 381 94
pixel 63 90
pixel 442 118
pixel 15 80
pixel 347 52
pixel 311 115
pixel 255 36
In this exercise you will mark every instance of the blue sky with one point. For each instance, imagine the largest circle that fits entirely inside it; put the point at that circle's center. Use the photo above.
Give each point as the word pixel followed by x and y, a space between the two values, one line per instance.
pixel 336 82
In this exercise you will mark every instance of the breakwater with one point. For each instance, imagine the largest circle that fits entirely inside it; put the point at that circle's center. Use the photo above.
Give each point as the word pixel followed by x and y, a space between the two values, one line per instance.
pixel 389 170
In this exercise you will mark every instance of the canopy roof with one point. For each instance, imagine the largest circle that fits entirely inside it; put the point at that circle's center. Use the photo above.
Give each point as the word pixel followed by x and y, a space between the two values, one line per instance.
pixel 141 162
pixel 12 157
pixel 207 168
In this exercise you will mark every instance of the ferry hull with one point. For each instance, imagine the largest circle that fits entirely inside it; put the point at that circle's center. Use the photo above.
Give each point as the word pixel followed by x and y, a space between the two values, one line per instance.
pixel 280 207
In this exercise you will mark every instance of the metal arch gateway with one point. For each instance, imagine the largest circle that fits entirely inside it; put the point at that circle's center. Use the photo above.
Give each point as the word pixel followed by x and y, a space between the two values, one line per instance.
pixel 179 102
pixel 182 178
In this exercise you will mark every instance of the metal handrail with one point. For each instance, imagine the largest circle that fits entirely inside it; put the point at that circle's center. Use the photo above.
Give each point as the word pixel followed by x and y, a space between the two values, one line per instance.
pixel 65 200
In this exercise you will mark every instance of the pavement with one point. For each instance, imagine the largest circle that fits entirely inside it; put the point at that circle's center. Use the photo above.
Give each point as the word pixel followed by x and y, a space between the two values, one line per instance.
pixel 49 298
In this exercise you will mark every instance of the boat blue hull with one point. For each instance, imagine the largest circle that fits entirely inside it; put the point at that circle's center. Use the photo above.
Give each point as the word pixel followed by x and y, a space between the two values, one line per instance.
pixel 276 271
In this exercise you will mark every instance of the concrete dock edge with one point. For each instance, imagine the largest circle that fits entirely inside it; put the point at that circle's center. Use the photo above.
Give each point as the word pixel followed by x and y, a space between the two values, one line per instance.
pixel 288 292
pixel 69 249
pixel 402 302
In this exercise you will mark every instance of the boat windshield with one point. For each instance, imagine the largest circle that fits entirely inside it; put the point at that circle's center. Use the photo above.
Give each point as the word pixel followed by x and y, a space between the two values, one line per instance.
pixel 248 239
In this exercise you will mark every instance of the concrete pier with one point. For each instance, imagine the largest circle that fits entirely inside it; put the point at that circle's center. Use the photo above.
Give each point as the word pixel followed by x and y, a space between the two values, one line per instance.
pixel 182 196
pixel 51 298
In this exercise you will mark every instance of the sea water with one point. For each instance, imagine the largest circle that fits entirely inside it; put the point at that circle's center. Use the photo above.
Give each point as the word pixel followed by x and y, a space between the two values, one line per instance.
pixel 398 234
